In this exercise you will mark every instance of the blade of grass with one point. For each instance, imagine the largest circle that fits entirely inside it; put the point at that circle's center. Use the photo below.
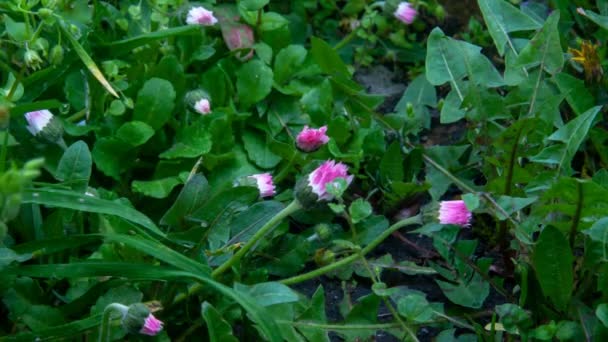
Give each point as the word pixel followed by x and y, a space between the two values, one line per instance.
pixel 145 272
pixel 88 61
pixel 126 45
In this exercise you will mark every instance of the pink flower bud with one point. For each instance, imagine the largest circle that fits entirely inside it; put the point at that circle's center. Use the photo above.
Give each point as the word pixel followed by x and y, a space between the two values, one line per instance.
pixel 454 212
pixel 265 184
pixel 152 326
pixel 239 36
pixel 203 106
pixel 38 120
pixel 311 139
pixel 326 174
pixel 405 12
pixel 200 16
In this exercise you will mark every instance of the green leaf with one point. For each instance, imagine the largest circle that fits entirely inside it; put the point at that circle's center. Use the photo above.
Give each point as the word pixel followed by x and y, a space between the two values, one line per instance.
pixel 470 293
pixel 253 5
pixel 135 133
pixel 545 48
pixel 288 61
pixel 194 194
pixel 552 260
pixel 449 60
pixel 254 82
pixel 259 151
pixel 248 222
pixel 80 202
pixel 7 256
pixel 318 102
pixel 16 30
pixel 601 20
pixel 158 188
pixel 154 104
pixel 272 21
pixel 577 95
pixel 602 313
pixel 126 46
pixel 415 308
pixel 359 210
pixel 75 166
pixel 327 58
pixel 314 313
pixel 512 204
pixel 503 18
pixel 192 142
pixel 569 138
pixel 111 157
pixel 419 94
pixel 266 294
pixel 219 330
pixel 391 165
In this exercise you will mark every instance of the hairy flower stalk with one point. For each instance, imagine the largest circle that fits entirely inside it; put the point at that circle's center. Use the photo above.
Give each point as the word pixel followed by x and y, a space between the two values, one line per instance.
pixel 310 139
pixel 406 13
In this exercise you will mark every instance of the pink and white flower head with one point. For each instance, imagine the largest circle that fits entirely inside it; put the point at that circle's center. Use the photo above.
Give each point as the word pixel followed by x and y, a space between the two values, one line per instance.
pixel 405 12
pixel 38 120
pixel 152 326
pixel 239 36
pixel 265 184
pixel 200 16
pixel 203 106
pixel 326 174
pixel 454 212
pixel 311 139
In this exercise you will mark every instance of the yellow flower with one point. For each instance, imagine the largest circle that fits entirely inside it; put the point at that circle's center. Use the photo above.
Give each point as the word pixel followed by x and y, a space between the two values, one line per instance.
pixel 588 57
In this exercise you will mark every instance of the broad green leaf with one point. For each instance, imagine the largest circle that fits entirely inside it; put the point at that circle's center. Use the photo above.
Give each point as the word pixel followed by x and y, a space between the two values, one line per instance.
pixel 272 21
pixel 314 313
pixel 87 60
pixel 192 196
pixel 365 311
pixel 552 260
pixel 192 142
pixel 111 157
pixel 158 188
pixel 74 168
pixel 470 293
pixel 254 82
pixel 327 58
pixel 503 18
pixel 7 256
pixel 514 318
pixel 415 308
pixel 568 140
pixel 259 151
pixel 577 95
pixel 544 49
pixel 449 60
pixel 77 201
pixel 601 20
pixel 253 5
pixel 512 204
pixel 248 222
pixel 266 294
pixel 391 165
pixel 135 133
pixel 219 330
pixel 16 30
pixel 602 313
pixel 154 104
pixel 451 111
pixel 419 94
pixel 359 210
pixel 65 330
pixel 288 61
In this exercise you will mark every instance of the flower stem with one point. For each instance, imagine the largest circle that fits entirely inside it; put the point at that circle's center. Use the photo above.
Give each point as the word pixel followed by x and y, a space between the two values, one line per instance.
pixel 346 39
pixel 104 328
pixel 288 210
pixel 326 269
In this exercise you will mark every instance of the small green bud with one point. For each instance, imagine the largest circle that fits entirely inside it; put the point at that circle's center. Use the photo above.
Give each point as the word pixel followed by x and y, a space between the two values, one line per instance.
pixel 324 257
pixel 56 55
pixel 323 231
pixel 439 12
pixel 34 164
pixel 134 318
pixel 45 13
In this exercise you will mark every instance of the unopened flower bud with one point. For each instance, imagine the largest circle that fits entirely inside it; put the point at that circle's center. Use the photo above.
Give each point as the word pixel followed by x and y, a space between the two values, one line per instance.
pixel 200 16
pixel 310 139
pixel 323 231
pixel 138 319
pixel 45 13
pixel 324 257
pixel 42 123
pixel 56 55
pixel 312 189
pixel 32 59
pixel 406 13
